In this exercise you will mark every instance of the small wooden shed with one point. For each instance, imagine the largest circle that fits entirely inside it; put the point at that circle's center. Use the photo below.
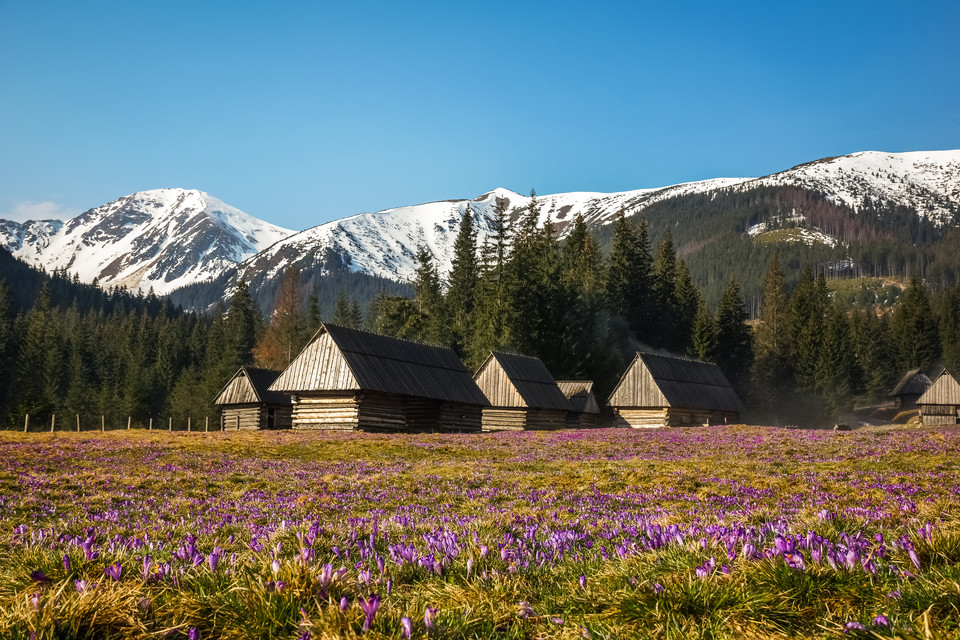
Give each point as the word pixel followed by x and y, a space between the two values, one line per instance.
pixel 522 394
pixel 584 408
pixel 668 391
pixel 350 379
pixel 911 386
pixel 940 404
pixel 247 403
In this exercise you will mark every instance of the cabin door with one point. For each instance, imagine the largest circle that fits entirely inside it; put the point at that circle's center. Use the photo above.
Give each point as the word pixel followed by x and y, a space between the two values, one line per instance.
pixel 271 418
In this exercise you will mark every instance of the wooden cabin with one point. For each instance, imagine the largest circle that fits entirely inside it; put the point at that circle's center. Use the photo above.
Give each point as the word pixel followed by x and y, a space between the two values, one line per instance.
pixel 940 404
pixel 522 394
pixel 909 389
pixel 584 408
pixel 350 379
pixel 668 391
pixel 247 403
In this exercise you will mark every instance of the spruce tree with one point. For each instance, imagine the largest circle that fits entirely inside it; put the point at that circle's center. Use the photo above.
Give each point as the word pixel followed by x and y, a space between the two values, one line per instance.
pixel 464 276
pixel 838 373
pixel 341 310
pixel 7 346
pixel 703 340
pixel 665 303
pixel 734 351
pixel 915 329
pixel 949 329
pixel 432 319
pixel 773 348
pixel 492 311
pixel 688 305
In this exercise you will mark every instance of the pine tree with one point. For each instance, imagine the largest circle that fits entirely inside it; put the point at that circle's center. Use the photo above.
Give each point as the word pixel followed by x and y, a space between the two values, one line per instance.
pixel 286 332
pixel 734 353
pixel 688 305
pixel 808 310
pixel 838 373
pixel 356 316
pixel 703 341
pixel 7 346
pixel 492 310
pixel 915 329
pixel 949 329
pixel 313 320
pixel 628 273
pixel 341 310
pixel 432 318
pixel 772 368
pixel 464 277
pixel 665 303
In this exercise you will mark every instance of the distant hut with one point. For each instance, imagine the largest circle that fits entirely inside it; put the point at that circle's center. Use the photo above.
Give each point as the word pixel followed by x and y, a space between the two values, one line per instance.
pixel 522 394
pixel 350 379
pixel 667 391
pixel 583 403
pixel 910 388
pixel 940 404
pixel 247 403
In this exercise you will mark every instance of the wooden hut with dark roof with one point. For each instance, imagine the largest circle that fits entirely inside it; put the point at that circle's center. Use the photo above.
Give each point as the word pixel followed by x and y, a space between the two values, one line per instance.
pixel 522 394
pixel 584 408
pixel 668 391
pixel 350 379
pixel 247 403
pixel 940 404
pixel 911 386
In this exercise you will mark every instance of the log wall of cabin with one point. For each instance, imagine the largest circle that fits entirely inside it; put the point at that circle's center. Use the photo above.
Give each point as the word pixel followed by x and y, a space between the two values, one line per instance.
pixel 504 419
pixel 455 416
pixel 329 411
pixel 247 416
pixel 581 420
pixel 939 414
pixel 652 417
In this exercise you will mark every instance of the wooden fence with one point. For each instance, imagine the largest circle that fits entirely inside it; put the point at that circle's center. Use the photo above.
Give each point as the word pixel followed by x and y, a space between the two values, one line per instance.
pixel 74 423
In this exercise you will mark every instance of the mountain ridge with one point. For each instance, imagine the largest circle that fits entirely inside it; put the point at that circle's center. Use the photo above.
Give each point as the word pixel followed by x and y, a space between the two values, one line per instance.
pixel 165 239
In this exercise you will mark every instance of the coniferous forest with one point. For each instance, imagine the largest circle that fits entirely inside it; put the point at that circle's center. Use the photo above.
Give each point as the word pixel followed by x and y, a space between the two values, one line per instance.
pixel 805 351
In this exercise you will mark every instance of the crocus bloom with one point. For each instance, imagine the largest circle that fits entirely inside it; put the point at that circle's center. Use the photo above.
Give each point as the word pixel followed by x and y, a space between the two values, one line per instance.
pixel 344 603
pixel 212 560
pixel 369 607
pixel 193 634
pixel 881 621
pixel 428 617
pixel 39 576
pixel 407 627
pixel 66 563
pixel 855 626
pixel 114 571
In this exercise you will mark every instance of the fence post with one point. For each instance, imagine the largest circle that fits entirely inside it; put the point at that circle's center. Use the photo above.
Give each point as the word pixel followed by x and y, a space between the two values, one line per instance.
pixel 129 420
pixel 170 426
pixel 188 424
pixel 151 425
pixel 206 424
pixel 26 423
pixel 238 422
pixel 78 423
pixel 103 423
pixel 53 421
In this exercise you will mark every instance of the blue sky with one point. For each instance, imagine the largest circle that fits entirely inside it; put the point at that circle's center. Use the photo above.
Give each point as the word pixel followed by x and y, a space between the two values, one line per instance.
pixel 303 112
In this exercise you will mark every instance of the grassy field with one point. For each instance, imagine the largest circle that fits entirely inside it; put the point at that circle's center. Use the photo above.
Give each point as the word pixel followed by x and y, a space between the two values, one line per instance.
pixel 721 532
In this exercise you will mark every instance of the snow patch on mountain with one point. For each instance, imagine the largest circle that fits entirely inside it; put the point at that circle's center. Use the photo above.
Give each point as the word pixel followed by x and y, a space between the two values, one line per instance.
pixel 161 240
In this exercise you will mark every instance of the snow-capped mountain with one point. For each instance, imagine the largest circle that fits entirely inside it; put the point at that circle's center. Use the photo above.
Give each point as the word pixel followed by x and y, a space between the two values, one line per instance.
pixel 926 181
pixel 161 240
pixel 169 238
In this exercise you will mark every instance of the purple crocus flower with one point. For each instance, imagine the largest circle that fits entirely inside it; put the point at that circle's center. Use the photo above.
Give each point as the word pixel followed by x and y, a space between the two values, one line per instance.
pixel 881 621
pixel 854 626
pixel 657 588
pixel 407 627
pixel 369 607
pixel 66 563
pixel 583 581
pixel 39 576
pixel 428 617
pixel 212 561
pixel 193 634
pixel 80 585
pixel 114 571
pixel 344 603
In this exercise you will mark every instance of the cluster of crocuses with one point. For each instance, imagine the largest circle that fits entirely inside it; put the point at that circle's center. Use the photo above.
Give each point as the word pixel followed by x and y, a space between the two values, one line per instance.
pixel 359 526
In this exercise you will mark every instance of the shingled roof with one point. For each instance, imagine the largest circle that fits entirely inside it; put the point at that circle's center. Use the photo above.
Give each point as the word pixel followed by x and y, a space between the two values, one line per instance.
pixel 654 380
pixel 913 383
pixel 580 395
pixel 519 381
pixel 250 385
pixel 342 359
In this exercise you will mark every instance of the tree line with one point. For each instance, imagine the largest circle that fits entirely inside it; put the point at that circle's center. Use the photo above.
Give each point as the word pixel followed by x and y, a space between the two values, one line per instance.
pixel 584 305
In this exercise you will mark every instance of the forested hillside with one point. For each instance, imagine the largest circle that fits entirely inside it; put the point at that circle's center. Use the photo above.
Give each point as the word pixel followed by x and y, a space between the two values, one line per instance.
pixel 819 342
